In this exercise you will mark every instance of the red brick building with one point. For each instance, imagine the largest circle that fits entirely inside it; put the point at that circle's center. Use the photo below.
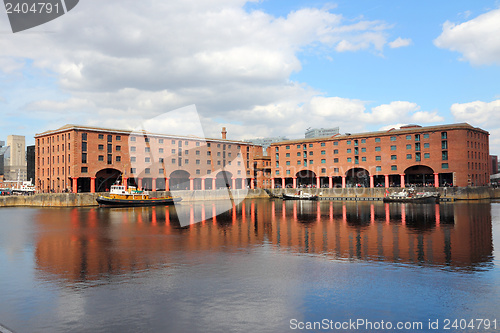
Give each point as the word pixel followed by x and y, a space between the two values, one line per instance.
pixel 262 171
pixel 90 159
pixel 456 154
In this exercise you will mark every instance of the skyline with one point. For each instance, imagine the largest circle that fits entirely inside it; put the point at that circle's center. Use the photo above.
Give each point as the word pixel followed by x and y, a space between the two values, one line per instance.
pixel 259 68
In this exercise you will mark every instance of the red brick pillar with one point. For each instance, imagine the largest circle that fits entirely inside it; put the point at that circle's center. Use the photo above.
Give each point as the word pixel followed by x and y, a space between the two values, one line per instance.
pixel 252 185
pixel 386 181
pixel 372 182
pixel 283 182
pixel 402 180
pixel 167 186
pixel 343 181
pixel 330 182
pixel 294 182
pixel 213 184
pixel 203 183
pixel 191 184
pixel 436 180
pixel 233 183
pixel 75 184
pixel 153 184
pixel 125 182
pixel 318 182
pixel 92 184
pixel 139 183
pixel 272 182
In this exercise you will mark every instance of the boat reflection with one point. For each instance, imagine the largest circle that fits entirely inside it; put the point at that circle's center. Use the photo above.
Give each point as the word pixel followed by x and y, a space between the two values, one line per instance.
pixel 101 243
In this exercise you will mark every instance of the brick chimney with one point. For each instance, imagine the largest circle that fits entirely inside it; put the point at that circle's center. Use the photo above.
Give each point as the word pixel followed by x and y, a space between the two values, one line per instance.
pixel 224 133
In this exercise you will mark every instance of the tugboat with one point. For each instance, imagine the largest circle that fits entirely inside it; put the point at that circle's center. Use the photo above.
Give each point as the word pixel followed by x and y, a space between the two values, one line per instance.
pixel 119 196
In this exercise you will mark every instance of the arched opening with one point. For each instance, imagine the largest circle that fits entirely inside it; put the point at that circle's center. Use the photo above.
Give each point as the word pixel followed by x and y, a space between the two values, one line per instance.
pixel 306 178
pixel 288 182
pixel 223 179
pixel 419 175
pixel 179 180
pixel 83 184
pixel 105 178
pixel 357 177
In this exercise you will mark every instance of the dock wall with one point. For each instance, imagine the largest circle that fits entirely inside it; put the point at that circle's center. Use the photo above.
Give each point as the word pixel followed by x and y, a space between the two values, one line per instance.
pixel 452 193
pixel 89 199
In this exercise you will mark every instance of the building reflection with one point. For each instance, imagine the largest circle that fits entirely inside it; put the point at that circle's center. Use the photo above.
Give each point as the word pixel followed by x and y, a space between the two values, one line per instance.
pixel 100 243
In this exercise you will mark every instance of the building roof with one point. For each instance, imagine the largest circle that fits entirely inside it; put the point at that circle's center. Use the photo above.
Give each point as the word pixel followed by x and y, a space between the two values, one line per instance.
pixel 409 129
pixel 69 127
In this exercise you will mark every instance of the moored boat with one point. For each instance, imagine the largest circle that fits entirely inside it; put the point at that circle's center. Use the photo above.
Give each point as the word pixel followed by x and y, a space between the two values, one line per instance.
pixel 300 196
pixel 131 196
pixel 27 188
pixel 412 196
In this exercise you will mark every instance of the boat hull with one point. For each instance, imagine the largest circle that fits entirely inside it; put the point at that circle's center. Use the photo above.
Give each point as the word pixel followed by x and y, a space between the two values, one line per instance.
pixel 426 199
pixel 112 202
pixel 298 197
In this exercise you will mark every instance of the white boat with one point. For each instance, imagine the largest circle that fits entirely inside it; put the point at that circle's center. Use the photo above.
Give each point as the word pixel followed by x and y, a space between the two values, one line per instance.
pixel 411 196
pixel 300 196
pixel 26 188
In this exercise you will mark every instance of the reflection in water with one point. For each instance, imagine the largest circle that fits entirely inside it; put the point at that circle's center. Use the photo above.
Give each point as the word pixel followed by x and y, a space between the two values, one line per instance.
pixel 98 244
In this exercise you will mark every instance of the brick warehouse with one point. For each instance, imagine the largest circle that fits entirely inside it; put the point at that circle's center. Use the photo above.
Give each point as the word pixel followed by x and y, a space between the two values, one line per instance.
pixel 444 155
pixel 90 159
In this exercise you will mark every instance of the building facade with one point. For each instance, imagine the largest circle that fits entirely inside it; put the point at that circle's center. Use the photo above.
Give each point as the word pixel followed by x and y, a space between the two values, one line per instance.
pixel 262 171
pixel 321 132
pixel 445 155
pixel 30 163
pixel 90 159
pixel 494 164
pixel 15 158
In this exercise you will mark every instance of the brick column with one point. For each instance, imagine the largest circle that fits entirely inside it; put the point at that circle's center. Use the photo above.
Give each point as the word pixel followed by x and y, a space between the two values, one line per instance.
pixel 75 184
pixel 233 183
pixel 213 184
pixel 272 182
pixel 318 182
pixel 343 181
pixel 191 184
pixel 125 182
pixel 386 181
pixel 436 180
pixel 252 185
pixel 372 182
pixel 402 180
pixel 330 182
pixel 167 185
pixel 153 184
pixel 203 183
pixel 294 182
pixel 283 182
pixel 92 184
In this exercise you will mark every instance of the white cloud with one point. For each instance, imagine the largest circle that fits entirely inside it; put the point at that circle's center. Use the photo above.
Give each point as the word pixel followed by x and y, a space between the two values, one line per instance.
pixel 482 114
pixel 478 113
pixel 58 106
pixel 10 64
pixel 119 62
pixel 400 42
pixel 401 111
pixel 477 39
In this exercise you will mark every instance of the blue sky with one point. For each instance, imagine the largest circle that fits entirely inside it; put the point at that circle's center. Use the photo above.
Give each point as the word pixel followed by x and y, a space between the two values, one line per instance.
pixel 260 68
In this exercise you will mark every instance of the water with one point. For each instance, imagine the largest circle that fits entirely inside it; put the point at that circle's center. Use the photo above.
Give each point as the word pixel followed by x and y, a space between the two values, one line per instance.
pixel 264 266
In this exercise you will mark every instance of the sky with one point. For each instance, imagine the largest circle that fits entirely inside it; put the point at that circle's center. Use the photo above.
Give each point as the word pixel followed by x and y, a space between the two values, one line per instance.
pixel 259 68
